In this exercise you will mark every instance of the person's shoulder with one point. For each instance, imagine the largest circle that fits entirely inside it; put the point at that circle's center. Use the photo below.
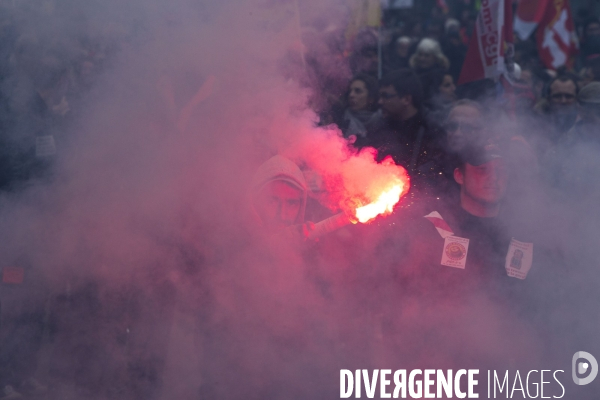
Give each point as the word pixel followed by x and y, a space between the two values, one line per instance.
pixel 418 221
pixel 445 209
pixel 379 125
pixel 415 246
pixel 379 133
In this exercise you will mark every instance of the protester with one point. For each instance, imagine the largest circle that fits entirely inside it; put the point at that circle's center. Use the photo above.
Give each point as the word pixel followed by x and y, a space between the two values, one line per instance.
pixel 588 117
pixel 590 72
pixel 478 173
pixel 453 47
pixel 428 56
pixel 559 106
pixel 590 40
pixel 568 164
pixel 464 125
pixel 482 176
pixel 278 198
pixel 361 111
pixel 279 194
pixel 364 58
pixel 404 133
pixel 440 93
pixel 464 252
pixel 399 54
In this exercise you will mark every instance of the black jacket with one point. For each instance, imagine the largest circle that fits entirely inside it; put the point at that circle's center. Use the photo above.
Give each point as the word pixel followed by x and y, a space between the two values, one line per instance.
pixel 413 144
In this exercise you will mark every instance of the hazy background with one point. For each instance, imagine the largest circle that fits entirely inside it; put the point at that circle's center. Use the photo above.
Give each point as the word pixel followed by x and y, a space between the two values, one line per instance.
pixel 136 243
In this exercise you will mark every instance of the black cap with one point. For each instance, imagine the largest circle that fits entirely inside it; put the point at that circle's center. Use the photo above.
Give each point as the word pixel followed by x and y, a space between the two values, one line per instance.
pixel 478 155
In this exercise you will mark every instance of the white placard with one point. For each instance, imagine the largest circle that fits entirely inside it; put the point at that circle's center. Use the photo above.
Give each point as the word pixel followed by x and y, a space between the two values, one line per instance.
pixel 519 259
pixel 455 252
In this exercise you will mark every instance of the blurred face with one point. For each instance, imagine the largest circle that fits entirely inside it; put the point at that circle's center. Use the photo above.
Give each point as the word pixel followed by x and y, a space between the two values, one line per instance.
pixel 464 123
pixel 434 32
pixel 402 48
pixel 425 59
pixel 278 205
pixel 391 104
pixel 447 88
pixel 358 98
pixel 417 30
pixel 562 95
pixel 485 183
pixel 368 62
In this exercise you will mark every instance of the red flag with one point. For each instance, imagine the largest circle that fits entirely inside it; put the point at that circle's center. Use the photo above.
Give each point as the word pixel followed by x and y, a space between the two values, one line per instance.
pixel 555 36
pixel 529 15
pixel 490 42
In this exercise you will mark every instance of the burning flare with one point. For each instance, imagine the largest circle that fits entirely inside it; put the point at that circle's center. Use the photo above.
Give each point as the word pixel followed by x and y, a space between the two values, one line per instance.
pixel 383 205
pixel 371 189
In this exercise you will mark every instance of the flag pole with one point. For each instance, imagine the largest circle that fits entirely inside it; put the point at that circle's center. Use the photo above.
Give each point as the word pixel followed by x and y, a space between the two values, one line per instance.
pixel 379 54
pixel 299 25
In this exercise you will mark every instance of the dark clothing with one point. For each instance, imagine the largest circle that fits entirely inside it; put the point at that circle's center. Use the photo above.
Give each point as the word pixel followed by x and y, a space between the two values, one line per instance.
pixel 456 53
pixel 124 327
pixel 395 63
pixel 413 144
pixel 22 323
pixel 21 342
pixel 590 46
pixel 417 268
pixel 464 316
pixel 489 240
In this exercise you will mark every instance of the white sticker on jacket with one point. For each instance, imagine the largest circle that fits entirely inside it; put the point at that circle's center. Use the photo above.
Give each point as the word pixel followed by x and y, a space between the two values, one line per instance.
pixel 455 252
pixel 519 259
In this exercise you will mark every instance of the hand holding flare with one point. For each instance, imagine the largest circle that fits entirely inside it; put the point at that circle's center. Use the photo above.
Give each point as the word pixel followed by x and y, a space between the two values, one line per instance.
pixel 382 206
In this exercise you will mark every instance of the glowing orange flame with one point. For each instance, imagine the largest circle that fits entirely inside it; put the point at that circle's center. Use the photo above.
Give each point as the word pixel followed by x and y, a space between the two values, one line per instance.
pixel 383 205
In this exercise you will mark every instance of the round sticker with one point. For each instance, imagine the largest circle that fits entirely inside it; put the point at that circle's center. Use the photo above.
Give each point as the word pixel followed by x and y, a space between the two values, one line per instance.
pixel 456 251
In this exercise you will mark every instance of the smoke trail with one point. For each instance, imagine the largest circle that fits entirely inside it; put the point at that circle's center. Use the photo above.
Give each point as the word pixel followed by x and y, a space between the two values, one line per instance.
pixel 138 241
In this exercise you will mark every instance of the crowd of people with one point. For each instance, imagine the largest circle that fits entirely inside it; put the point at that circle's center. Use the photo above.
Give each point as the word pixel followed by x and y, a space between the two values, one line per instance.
pixel 51 56
pixel 50 60
pixel 404 101
pixel 489 170
pixel 418 89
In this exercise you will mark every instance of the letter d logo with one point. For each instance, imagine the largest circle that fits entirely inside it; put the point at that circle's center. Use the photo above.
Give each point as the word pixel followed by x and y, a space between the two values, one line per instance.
pixel 583 367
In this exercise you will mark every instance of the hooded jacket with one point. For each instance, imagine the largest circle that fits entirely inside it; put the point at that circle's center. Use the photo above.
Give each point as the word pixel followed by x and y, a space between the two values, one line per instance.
pixel 279 168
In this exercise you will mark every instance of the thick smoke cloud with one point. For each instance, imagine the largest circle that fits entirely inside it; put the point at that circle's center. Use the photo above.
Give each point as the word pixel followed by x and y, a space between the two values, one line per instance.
pixel 148 188
pixel 139 243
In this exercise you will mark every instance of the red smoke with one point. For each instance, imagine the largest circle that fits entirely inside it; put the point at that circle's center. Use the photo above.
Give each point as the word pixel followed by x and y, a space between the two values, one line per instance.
pixel 351 179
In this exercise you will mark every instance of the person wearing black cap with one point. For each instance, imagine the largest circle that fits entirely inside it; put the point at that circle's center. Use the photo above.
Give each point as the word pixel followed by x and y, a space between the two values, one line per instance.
pixel 462 267
pixel 467 242
pixel 482 177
